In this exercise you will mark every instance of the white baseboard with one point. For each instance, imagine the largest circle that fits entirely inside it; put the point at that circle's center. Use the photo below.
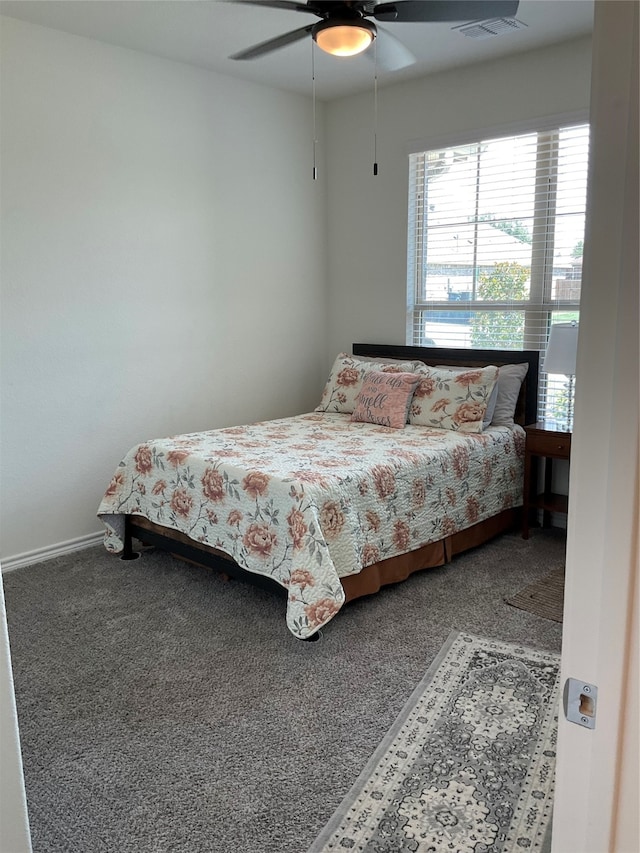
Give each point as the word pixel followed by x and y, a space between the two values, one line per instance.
pixel 38 555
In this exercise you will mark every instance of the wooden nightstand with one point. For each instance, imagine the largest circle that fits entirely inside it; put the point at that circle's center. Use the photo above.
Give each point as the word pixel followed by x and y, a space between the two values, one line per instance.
pixel 551 443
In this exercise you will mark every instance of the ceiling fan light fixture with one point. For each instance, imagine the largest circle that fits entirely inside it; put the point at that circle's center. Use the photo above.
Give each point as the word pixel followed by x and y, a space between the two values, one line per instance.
pixel 344 38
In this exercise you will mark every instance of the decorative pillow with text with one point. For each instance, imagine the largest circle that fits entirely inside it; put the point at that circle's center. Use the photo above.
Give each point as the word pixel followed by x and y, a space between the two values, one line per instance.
pixel 385 398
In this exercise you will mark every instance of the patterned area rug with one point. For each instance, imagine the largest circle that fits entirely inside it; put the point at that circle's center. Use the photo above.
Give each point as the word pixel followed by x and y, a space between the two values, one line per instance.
pixel 468 766
pixel 544 598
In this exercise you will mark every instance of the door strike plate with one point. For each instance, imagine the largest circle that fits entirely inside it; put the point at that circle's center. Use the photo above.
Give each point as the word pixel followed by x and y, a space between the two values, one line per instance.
pixel 579 700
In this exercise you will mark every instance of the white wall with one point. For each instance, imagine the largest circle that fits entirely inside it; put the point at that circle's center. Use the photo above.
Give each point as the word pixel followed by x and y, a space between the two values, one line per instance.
pixel 367 215
pixel 163 266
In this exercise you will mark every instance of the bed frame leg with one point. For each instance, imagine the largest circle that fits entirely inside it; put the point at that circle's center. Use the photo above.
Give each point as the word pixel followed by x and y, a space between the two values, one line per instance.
pixel 128 553
pixel 447 550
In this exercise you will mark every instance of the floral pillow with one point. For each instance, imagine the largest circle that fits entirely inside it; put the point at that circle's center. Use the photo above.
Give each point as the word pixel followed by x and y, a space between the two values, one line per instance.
pixel 345 380
pixel 385 398
pixel 491 402
pixel 451 399
pixel 502 405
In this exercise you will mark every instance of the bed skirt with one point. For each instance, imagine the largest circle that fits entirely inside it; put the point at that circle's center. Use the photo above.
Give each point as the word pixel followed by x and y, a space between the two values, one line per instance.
pixel 366 582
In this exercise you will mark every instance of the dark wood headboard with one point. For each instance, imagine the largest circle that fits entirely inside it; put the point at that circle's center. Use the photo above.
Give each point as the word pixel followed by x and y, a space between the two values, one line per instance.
pixel 527 407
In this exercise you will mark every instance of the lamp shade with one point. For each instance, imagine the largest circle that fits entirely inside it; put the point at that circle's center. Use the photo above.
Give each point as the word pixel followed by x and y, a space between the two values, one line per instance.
pixel 344 38
pixel 560 356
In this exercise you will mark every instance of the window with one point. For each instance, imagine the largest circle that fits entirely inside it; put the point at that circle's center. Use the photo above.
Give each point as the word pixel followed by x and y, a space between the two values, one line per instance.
pixel 496 233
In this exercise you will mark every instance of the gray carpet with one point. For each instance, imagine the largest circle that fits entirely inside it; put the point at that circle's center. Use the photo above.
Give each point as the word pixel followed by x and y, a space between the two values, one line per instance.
pixel 164 710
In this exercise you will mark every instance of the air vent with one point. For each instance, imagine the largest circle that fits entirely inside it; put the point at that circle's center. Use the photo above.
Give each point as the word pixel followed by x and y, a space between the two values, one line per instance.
pixel 490 28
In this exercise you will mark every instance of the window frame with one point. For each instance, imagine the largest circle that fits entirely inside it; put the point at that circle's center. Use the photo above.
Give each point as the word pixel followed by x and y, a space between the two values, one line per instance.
pixel 539 307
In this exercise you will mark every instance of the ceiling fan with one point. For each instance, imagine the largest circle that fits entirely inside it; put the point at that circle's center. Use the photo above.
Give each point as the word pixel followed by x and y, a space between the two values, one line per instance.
pixel 344 28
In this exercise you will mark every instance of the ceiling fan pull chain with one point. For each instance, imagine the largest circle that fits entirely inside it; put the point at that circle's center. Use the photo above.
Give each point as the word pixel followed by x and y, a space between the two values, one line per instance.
pixel 313 89
pixel 375 106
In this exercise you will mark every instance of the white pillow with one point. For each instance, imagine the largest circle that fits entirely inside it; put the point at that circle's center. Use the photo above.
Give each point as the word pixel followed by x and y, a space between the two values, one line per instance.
pixel 510 379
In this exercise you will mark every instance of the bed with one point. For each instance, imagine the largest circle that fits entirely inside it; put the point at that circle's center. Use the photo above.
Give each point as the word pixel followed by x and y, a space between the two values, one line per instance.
pixel 326 507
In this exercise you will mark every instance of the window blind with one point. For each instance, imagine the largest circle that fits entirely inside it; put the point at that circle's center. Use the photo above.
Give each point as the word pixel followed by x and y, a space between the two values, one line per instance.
pixel 496 236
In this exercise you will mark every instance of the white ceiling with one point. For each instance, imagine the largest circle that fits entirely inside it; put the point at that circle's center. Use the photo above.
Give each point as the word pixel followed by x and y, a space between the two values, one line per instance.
pixel 206 32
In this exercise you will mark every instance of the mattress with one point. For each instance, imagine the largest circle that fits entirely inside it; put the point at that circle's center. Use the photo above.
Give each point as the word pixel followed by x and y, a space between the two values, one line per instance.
pixel 311 499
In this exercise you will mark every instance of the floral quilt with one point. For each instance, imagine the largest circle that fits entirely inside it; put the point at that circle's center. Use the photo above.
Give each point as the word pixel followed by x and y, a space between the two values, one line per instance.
pixel 310 499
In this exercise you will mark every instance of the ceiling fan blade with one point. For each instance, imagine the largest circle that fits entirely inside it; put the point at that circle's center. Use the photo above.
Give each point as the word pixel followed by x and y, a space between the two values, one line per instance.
pixel 288 5
pixel 273 44
pixel 434 11
pixel 389 53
